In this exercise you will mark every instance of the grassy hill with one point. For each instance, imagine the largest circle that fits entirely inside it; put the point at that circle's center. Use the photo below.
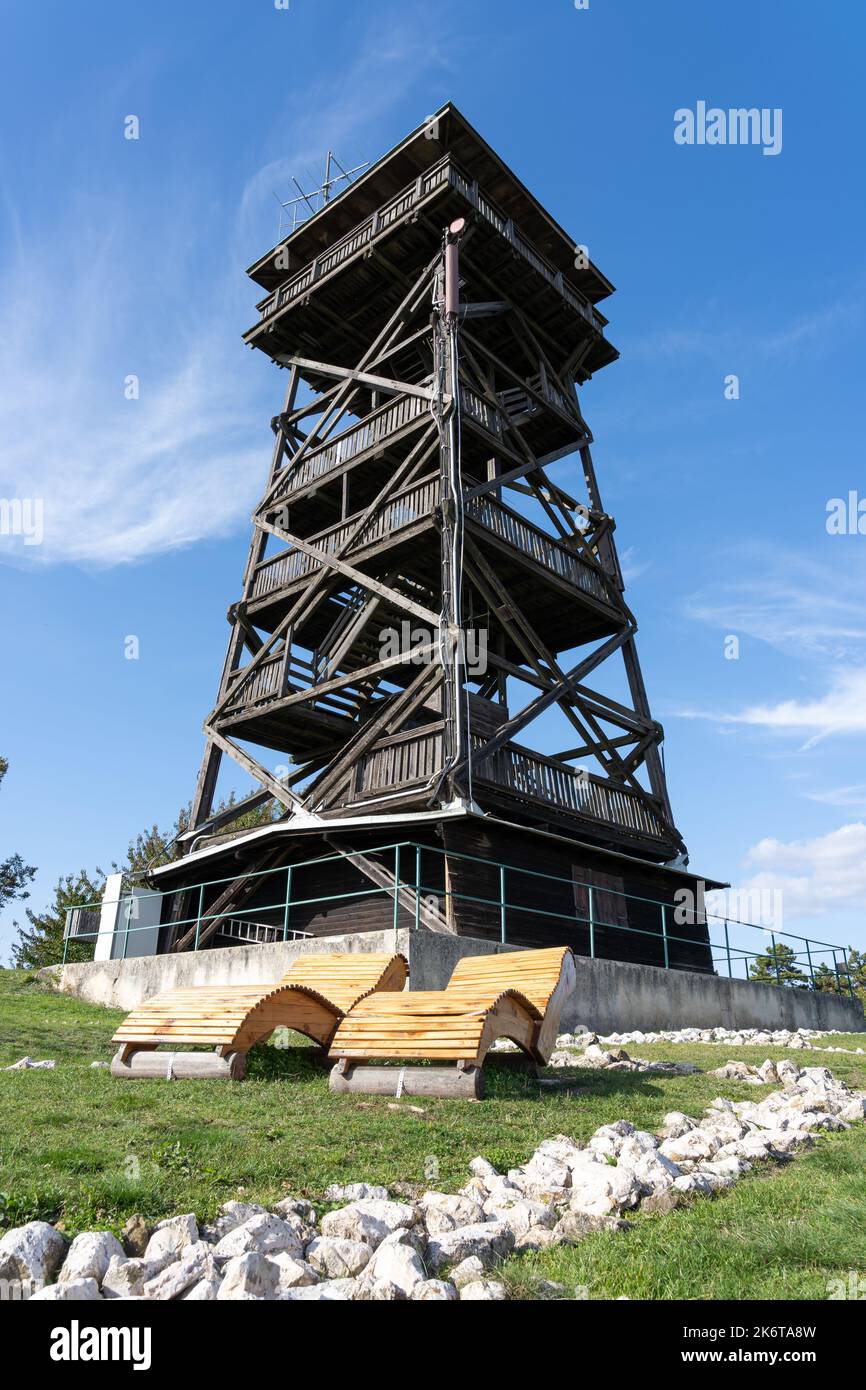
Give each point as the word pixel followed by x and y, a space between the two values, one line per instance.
pixel 79 1147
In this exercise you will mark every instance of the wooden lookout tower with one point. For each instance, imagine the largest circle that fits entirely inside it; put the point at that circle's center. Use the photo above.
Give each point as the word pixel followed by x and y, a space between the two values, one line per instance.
pixel 431 643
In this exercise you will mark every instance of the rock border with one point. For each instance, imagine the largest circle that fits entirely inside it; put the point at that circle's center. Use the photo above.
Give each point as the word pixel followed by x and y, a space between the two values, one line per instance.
pixel 441 1246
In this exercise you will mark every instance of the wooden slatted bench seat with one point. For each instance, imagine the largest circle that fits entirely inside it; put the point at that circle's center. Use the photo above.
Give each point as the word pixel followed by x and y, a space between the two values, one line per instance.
pixel 515 994
pixel 311 998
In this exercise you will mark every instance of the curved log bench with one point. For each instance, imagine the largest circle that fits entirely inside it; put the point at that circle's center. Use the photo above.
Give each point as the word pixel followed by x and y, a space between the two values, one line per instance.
pixel 312 997
pixel 517 995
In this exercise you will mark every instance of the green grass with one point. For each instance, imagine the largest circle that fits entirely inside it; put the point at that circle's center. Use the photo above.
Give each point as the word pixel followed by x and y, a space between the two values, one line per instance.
pixel 78 1146
pixel 852 1040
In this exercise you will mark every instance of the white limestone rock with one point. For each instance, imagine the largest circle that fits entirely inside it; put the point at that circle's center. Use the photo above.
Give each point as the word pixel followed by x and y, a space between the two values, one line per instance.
pixel 484 1290
pixel 250 1277
pixel 734 1071
pixel 609 1139
pixel 231 1215
pixel 126 1278
pixel 355 1192
pixel 195 1264
pixel 266 1234
pixel 293 1274
pixel 205 1291
pixel 693 1184
pixel 333 1257
pixel 297 1207
pixel 564 1150
pixel 33 1252
pixel 653 1171
pixel 520 1214
pixel 89 1256
pixel 330 1291
pixel 490 1242
pixel 169 1240
pixel 691 1147
pixel 599 1189
pixel 441 1212
pixel 434 1290
pixel 730 1166
pixel 72 1291
pixel 398 1266
pixel 368 1221
pixel 543 1172
pixel 482 1168
pixel 467 1271
pixel 536 1238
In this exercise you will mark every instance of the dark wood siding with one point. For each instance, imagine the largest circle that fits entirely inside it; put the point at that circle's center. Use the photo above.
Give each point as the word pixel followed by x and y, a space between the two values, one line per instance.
pixel 546 911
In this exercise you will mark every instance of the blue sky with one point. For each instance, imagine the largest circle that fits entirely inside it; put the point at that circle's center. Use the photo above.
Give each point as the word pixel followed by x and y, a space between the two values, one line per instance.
pixel 123 257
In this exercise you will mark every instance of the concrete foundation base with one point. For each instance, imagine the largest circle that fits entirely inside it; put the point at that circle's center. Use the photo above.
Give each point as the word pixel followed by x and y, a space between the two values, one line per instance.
pixel 611 996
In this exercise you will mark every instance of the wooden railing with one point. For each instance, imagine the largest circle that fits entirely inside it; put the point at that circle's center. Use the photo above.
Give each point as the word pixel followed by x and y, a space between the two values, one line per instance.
pixel 265 683
pixel 533 776
pixel 402 510
pixel 416 757
pixel 373 431
pixel 376 431
pixel 412 757
pixel 408 507
pixel 446 171
pixel 536 544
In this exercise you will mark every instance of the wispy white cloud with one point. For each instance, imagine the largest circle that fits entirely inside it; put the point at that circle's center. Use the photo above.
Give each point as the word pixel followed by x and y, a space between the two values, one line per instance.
pixel 839 710
pixel 122 480
pixel 814 331
pixel 814 876
pixel 841 796
pixel 119 478
pixel 802 607
pixel 396 52
pixel 632 567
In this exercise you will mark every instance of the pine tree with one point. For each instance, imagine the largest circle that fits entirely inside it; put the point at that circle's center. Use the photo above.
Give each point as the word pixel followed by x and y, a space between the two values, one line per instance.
pixel 14 873
pixel 825 980
pixel 778 967
pixel 41 942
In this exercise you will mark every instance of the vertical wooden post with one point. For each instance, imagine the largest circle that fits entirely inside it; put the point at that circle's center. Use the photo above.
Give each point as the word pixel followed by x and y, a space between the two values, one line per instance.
pixel 591 924
pixel 665 936
pixel 417 886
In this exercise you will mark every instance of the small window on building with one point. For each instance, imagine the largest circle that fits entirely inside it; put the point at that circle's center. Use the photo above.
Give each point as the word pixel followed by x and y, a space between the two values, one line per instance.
pixel 609 907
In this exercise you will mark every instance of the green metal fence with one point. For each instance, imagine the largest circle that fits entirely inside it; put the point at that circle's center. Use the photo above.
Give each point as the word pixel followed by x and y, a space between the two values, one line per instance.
pixel 405 862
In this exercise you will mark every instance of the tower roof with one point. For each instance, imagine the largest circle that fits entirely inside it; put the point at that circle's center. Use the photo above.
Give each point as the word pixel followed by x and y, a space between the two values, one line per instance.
pixel 447 131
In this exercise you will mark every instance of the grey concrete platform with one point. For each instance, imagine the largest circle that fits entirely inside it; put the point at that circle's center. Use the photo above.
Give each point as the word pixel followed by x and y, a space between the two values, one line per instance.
pixel 611 996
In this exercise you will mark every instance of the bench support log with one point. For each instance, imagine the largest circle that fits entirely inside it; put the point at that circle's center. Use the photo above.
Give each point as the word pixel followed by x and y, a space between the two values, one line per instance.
pixel 460 1083
pixel 177 1066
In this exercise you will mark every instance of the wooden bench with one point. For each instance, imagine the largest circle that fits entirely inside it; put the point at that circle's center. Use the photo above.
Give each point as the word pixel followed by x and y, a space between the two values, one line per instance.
pixel 311 998
pixel 514 994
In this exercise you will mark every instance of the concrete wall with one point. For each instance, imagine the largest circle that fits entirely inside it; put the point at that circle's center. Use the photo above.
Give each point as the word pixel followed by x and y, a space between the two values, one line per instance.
pixel 611 996
pixel 121 984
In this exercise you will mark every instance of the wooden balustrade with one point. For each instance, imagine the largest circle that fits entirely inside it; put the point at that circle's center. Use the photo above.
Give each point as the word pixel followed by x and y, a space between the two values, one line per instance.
pixel 408 507
pixel 447 171
pixel 417 756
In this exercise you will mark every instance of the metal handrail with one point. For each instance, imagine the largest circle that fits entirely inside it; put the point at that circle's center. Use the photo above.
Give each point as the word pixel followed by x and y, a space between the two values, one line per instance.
pixel 729 951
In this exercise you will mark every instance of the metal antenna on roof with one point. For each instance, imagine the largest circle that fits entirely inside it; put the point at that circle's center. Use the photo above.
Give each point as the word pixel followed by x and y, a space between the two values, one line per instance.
pixel 308 204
